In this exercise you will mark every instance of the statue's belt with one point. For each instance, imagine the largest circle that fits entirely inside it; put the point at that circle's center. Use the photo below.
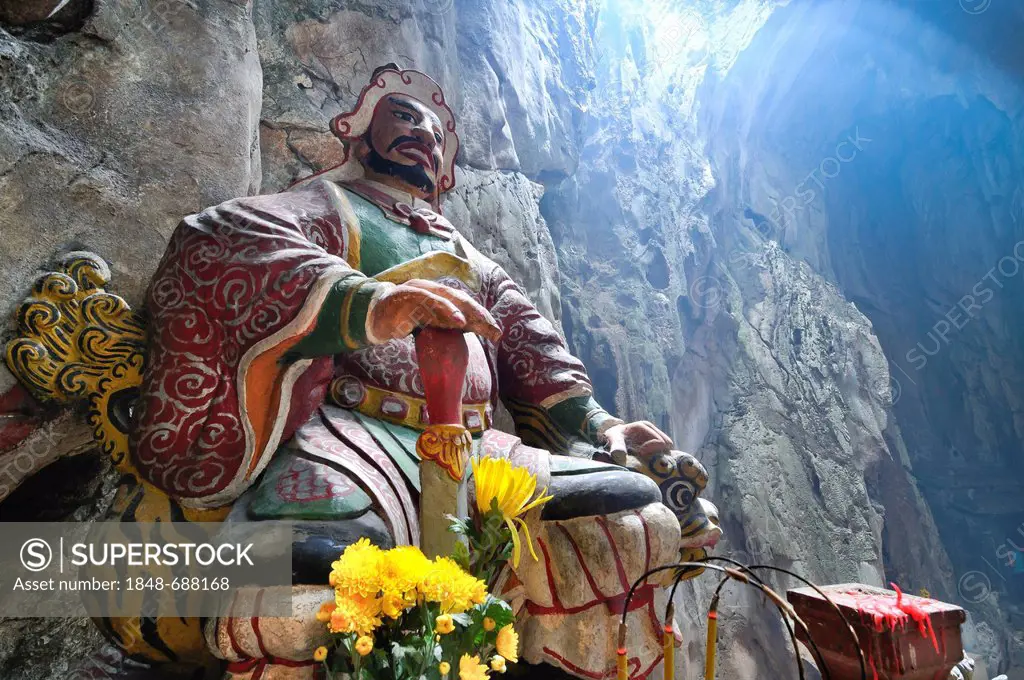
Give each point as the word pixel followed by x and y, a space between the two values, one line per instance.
pixel 398 408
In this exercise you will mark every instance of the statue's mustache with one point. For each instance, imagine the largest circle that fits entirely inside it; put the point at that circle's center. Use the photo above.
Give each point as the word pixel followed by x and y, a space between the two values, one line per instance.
pixel 415 175
pixel 402 139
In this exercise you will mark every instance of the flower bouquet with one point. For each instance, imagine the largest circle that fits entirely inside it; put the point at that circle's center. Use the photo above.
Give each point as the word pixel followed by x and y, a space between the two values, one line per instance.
pixel 398 615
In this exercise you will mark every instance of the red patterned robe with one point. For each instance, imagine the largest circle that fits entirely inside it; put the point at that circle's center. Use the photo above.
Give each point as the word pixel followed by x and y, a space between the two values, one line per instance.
pixel 259 303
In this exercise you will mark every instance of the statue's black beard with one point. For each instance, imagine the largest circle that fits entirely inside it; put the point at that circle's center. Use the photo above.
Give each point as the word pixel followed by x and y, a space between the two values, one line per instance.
pixel 413 175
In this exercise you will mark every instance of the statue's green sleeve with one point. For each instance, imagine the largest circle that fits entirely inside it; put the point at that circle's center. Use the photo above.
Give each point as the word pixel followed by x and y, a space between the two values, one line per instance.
pixel 554 427
pixel 341 322
pixel 582 417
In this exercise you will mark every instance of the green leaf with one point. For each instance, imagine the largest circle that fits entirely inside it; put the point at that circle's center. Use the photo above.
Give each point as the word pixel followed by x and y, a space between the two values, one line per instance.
pixel 457 525
pixel 410 663
pixel 399 651
pixel 400 669
pixel 461 555
pixel 339 664
pixel 499 610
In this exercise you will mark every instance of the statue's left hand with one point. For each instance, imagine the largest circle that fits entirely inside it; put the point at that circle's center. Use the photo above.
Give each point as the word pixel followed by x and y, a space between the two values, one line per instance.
pixel 641 439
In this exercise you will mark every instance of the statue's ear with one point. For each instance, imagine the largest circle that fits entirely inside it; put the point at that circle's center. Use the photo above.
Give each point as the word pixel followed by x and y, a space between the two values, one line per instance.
pixel 360 149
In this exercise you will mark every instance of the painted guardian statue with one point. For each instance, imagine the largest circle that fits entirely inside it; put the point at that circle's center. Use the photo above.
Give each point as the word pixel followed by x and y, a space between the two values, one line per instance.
pixel 281 381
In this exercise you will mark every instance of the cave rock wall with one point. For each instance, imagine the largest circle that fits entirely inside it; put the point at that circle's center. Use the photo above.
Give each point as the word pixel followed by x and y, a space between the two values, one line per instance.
pixel 637 167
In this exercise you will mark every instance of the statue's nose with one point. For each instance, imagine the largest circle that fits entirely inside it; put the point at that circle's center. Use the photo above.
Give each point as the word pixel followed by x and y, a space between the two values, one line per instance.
pixel 425 136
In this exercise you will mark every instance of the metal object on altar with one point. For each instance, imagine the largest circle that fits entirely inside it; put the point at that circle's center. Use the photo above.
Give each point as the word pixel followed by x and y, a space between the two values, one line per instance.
pixel 903 637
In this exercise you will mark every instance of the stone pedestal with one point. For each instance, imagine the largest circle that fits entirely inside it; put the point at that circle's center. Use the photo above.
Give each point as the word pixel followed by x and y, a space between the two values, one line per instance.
pixel 903 637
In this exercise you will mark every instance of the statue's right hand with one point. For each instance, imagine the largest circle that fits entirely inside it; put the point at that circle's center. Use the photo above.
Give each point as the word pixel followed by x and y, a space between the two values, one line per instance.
pixel 419 303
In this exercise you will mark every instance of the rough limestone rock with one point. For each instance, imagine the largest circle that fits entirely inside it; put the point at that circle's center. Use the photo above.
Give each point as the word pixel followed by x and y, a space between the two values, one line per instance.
pixel 523 118
pixel 670 185
pixel 780 375
pixel 485 204
pixel 901 187
pixel 111 130
pixel 110 134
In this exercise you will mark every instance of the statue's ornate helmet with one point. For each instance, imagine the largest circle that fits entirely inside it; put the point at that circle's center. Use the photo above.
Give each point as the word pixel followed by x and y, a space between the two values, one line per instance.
pixel 388 79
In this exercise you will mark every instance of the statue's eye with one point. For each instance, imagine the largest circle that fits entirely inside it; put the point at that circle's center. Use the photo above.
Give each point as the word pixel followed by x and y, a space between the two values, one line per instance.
pixel 404 115
pixel 437 137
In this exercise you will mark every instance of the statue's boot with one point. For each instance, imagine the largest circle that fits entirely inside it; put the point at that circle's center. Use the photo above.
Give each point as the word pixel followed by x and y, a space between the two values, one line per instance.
pixel 604 526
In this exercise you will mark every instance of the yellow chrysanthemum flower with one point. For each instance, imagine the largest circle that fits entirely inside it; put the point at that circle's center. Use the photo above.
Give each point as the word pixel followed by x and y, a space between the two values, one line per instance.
pixel 359 570
pixel 489 624
pixel 355 614
pixel 392 604
pixel 320 654
pixel 507 644
pixel 498 664
pixel 454 589
pixel 364 645
pixel 512 487
pixel 404 569
pixel 381 582
pixel 326 609
pixel 444 624
pixel 470 668
pixel 444 667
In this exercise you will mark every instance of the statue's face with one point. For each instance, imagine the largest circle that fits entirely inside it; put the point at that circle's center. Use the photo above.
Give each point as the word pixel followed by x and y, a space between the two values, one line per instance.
pixel 404 145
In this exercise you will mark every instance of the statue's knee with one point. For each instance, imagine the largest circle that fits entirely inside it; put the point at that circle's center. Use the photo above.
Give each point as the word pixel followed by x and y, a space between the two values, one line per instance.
pixel 582 488
pixel 316 542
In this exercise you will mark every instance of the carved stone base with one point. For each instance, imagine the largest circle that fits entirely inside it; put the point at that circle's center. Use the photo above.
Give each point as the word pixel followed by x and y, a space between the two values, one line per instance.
pixel 271 648
pixel 576 592
pixel 272 671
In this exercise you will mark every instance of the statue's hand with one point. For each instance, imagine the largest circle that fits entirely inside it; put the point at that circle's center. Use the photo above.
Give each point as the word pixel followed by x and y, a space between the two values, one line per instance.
pixel 418 303
pixel 641 439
